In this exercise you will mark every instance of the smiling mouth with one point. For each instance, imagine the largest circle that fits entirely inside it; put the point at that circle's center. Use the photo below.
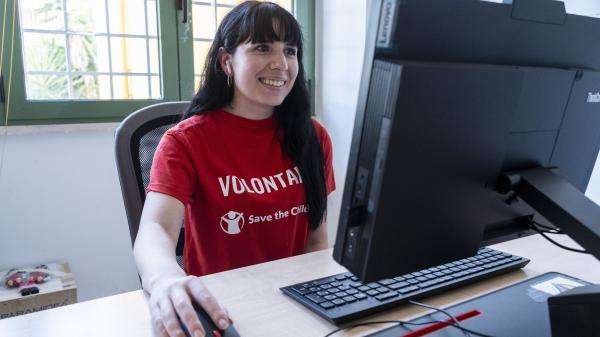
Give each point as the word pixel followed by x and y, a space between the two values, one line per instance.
pixel 272 83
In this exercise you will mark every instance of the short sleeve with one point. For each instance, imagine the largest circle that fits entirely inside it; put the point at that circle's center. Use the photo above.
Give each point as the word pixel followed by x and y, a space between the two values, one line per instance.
pixel 172 169
pixel 325 141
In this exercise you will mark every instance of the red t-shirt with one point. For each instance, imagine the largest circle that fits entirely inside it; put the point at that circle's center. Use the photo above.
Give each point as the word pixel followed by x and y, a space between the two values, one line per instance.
pixel 244 199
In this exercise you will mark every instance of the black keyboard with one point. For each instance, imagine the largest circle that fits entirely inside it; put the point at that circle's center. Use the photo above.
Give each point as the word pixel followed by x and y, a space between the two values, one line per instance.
pixel 341 298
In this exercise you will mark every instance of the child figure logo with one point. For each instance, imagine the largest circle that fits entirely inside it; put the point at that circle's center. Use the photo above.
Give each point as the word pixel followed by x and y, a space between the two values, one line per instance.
pixel 232 222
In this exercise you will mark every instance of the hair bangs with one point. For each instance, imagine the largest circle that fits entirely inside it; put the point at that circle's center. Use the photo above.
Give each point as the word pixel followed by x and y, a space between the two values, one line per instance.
pixel 267 22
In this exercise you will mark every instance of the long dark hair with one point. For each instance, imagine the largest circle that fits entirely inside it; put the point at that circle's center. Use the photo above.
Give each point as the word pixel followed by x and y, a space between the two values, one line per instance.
pixel 253 21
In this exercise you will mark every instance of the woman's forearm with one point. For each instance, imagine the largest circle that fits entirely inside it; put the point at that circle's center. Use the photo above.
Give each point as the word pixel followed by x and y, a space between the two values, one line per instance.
pixel 154 254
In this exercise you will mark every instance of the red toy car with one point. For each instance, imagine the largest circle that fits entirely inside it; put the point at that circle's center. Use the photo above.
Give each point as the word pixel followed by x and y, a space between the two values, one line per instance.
pixel 39 276
pixel 15 277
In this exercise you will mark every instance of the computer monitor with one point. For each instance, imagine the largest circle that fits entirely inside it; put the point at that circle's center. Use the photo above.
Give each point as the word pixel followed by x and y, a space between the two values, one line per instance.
pixel 455 93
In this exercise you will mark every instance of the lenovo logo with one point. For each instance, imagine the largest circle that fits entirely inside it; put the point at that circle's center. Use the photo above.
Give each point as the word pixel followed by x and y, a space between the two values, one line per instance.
pixel 593 98
pixel 386 23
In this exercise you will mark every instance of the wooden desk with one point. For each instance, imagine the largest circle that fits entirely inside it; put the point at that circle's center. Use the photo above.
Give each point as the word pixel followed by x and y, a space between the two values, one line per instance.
pixel 259 309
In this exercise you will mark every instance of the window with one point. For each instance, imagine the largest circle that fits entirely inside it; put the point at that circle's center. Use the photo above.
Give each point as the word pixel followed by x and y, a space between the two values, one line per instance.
pixel 90 49
pixel 70 61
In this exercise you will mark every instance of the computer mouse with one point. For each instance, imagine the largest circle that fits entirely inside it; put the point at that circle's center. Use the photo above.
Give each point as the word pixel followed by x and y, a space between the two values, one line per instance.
pixel 210 327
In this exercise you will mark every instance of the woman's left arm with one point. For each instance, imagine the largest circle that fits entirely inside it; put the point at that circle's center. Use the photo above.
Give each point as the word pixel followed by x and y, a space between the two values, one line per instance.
pixel 317 239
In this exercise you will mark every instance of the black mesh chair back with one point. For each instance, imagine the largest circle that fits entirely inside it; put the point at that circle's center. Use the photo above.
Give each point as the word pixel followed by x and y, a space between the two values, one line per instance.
pixel 136 140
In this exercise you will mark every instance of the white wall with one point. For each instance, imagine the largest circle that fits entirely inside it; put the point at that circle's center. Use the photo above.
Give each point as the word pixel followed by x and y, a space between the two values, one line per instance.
pixel 341 28
pixel 340 40
pixel 60 200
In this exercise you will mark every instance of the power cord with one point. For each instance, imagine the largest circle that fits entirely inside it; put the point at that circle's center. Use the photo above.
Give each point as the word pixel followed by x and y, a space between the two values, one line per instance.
pixel 543 232
pixel 544 228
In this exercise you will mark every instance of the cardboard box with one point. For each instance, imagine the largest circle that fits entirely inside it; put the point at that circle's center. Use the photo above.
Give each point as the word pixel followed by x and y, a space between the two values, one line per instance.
pixel 58 290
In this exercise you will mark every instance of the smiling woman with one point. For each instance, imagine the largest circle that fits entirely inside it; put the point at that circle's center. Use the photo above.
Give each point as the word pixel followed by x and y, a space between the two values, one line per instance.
pixel 247 152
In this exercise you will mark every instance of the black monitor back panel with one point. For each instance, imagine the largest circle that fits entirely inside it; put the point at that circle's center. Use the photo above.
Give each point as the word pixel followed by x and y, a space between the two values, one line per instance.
pixel 434 139
pixel 527 33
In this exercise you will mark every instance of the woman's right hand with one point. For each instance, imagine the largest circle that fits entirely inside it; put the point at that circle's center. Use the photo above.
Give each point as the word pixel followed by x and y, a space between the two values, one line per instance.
pixel 172 297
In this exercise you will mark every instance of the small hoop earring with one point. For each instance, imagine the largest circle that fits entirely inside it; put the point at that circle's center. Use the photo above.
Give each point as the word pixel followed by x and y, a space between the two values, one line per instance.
pixel 228 80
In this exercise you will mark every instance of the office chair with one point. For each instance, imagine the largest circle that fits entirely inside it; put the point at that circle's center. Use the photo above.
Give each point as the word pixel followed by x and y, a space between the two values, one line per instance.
pixel 136 139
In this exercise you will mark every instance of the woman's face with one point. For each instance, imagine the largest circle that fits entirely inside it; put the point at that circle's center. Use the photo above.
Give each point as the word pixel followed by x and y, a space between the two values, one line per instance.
pixel 263 74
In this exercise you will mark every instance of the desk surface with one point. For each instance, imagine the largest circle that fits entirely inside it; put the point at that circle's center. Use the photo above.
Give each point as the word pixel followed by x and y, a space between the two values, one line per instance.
pixel 259 309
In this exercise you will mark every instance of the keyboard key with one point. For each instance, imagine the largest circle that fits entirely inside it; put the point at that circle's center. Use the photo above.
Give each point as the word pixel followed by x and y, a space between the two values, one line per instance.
pixel 364 288
pixel 387 282
pixel 338 302
pixel 315 298
pixel 350 298
pixel 341 277
pixel 408 290
pixel 382 289
pixel 422 278
pixel 355 284
pixel 352 291
pixel 398 285
pixel 341 294
pixel 360 296
pixel 335 284
pixel 323 293
pixel 327 305
pixel 302 291
pixel 383 297
pixel 315 289
pixel 399 278
pixel 372 292
pixel 323 281
pixel 417 274
pixel 373 285
pixel 343 288
pixel 330 297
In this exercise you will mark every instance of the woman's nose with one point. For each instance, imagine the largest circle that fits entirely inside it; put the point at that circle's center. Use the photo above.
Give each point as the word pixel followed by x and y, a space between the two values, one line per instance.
pixel 279 61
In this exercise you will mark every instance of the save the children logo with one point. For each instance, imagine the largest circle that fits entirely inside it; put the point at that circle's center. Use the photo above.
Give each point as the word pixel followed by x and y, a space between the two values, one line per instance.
pixel 232 222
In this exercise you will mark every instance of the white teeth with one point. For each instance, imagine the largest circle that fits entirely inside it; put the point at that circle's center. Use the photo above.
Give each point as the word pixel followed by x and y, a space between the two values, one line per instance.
pixel 273 83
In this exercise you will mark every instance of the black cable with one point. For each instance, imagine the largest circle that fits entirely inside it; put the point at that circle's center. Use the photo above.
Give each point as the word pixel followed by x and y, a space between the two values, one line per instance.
pixel 546 229
pixel 403 323
pixel 542 233
pixel 443 312
pixel 399 322
pixel 407 323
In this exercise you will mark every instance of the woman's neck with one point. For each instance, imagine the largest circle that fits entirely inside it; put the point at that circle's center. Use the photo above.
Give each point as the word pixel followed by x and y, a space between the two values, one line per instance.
pixel 246 109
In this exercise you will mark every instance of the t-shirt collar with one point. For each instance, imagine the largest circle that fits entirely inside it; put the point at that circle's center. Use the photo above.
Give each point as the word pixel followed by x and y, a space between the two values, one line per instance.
pixel 267 123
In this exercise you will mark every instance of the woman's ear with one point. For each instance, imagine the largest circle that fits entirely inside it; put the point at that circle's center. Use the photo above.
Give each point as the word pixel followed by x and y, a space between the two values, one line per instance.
pixel 225 61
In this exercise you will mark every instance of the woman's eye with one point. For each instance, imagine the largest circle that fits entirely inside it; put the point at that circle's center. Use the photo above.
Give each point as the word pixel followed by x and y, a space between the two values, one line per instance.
pixel 262 48
pixel 291 51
